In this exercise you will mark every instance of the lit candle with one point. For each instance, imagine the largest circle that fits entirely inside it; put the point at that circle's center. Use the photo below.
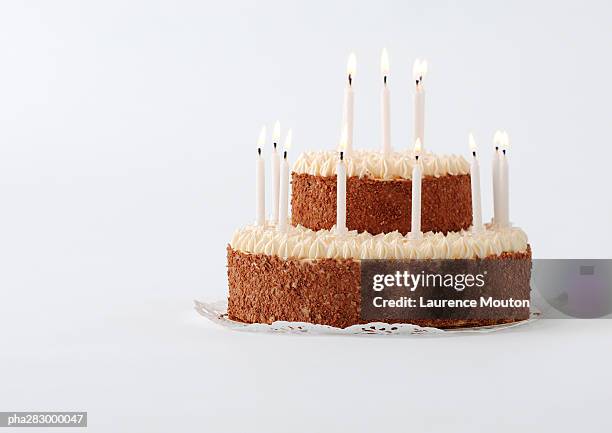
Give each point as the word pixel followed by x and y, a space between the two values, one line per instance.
pixel 275 162
pixel 341 186
pixel 504 185
pixel 475 182
pixel 347 118
pixel 385 104
pixel 497 139
pixel 260 180
pixel 415 224
pixel 419 70
pixel 284 187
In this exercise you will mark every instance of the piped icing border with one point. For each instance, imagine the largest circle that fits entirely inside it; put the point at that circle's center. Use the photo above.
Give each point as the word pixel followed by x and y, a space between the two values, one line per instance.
pixel 302 243
pixel 372 164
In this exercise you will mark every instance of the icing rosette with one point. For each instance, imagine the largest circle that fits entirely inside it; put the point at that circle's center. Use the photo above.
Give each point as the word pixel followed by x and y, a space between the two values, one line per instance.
pixel 301 243
pixel 369 163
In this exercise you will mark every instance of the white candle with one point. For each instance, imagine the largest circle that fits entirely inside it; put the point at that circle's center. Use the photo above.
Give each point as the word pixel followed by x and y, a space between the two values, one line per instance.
pixel 275 162
pixel 419 70
pixel 341 186
pixel 475 182
pixel 497 139
pixel 347 118
pixel 504 184
pixel 385 104
pixel 415 224
pixel 260 181
pixel 284 187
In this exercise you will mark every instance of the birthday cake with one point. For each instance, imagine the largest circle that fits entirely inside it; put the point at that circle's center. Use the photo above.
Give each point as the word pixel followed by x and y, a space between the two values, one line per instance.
pixel 351 207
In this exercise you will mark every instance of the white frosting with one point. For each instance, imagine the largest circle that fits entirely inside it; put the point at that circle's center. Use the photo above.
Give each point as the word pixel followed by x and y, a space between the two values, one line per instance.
pixel 369 163
pixel 302 243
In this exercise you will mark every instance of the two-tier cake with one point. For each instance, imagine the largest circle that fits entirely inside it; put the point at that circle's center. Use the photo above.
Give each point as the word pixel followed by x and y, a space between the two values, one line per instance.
pixel 351 206
pixel 311 274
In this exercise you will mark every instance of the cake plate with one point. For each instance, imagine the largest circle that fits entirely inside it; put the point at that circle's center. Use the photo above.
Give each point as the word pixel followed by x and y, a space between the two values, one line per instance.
pixel 216 312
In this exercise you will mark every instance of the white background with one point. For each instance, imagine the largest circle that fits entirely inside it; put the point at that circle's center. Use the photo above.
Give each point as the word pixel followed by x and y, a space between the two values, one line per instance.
pixel 127 140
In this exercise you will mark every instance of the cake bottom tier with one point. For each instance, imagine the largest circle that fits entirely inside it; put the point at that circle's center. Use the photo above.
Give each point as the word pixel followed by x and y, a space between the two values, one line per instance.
pixel 264 289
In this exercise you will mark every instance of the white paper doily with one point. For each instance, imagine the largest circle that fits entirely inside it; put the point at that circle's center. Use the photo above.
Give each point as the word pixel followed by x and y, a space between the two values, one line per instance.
pixel 216 311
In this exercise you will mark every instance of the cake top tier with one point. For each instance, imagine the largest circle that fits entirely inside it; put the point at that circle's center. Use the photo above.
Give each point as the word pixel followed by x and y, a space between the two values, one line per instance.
pixel 302 243
pixel 369 163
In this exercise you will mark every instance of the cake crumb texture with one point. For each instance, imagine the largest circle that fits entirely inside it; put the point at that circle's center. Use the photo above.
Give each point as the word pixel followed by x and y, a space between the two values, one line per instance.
pixel 264 289
pixel 382 206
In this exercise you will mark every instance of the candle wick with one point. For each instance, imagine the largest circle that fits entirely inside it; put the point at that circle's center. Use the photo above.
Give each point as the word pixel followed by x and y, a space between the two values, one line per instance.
pixel 474 153
pixel 341 156
pixel 350 80
pixel 385 80
pixel 275 145
pixel 285 154
pixel 259 150
pixel 504 151
pixel 497 148
pixel 416 157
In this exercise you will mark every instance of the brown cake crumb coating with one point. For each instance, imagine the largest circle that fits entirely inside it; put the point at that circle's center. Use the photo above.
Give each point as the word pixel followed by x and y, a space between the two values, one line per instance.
pixel 263 289
pixel 382 206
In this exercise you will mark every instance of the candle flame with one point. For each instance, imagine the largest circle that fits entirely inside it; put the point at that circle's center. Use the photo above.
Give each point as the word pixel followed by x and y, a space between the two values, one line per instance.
pixel 472 143
pixel 262 137
pixel 343 138
pixel 288 138
pixel 418 146
pixel 276 132
pixel 498 137
pixel 351 65
pixel 419 69
pixel 505 143
pixel 384 63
